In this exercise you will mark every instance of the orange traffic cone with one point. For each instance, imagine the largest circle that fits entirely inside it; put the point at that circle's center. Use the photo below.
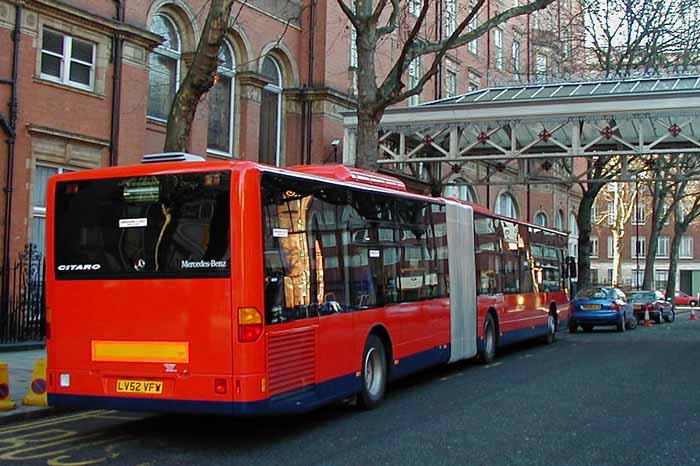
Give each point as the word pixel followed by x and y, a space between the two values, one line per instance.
pixel 6 402
pixel 647 320
pixel 692 314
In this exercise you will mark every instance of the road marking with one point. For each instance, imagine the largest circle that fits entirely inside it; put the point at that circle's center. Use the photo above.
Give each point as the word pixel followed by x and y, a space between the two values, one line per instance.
pixel 495 364
pixel 53 421
pixel 526 356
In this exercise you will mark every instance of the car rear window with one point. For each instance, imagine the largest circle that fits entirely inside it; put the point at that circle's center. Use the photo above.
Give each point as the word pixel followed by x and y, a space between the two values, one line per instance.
pixel 593 293
pixel 642 297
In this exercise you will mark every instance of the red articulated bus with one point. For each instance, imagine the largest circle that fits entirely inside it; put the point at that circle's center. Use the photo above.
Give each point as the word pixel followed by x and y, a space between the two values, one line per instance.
pixel 242 289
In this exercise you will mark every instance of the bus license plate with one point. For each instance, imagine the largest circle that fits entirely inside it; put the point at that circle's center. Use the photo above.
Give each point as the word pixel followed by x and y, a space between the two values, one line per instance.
pixel 591 306
pixel 140 386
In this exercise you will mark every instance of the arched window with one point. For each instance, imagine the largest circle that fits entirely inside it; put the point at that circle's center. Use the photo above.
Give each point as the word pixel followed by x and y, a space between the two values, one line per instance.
pixel 164 63
pixel 506 205
pixel 459 189
pixel 270 112
pixel 573 226
pixel 541 219
pixel 221 104
pixel 559 221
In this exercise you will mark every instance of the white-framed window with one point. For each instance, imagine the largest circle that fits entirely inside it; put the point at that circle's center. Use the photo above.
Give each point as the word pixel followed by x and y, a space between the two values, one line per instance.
pixel 221 99
pixel 573 225
pixel 460 189
pixel 550 21
pixel 498 46
pixel 353 59
pixel 414 7
pixel 612 213
pixel 413 78
pixel 516 3
pixel 270 152
pixel 164 68
pixel 662 247
pixel 541 65
pixel 506 205
pixel 594 213
pixel 39 184
pixel 559 220
pixel 611 247
pixel 451 82
pixel 541 219
pixel 474 81
pixel 594 246
pixel 661 279
pixel 637 278
pixel 594 277
pixel 639 247
pixel 450 17
pixel 610 276
pixel 473 46
pixel 515 57
pixel 67 60
pixel 566 43
pixel 686 247
pixel 640 217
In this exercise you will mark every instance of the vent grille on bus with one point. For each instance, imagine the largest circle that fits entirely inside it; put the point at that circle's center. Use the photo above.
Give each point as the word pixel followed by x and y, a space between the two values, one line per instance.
pixel 172 157
pixel 291 360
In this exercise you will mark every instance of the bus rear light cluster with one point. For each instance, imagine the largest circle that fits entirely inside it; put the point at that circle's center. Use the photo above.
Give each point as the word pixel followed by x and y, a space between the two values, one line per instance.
pixel 250 324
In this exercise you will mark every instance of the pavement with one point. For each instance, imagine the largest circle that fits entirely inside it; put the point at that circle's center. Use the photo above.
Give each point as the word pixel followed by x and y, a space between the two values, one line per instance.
pixel 590 399
pixel 21 366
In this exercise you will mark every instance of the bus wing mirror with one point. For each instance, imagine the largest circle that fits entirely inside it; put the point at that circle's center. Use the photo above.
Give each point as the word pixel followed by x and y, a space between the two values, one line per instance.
pixel 571 266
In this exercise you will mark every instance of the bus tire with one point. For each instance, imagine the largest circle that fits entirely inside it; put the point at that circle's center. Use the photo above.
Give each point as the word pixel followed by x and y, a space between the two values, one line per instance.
pixel 488 350
pixel 551 332
pixel 374 374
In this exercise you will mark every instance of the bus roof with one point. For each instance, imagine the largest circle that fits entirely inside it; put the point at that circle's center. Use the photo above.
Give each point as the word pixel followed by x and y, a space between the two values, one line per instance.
pixel 333 172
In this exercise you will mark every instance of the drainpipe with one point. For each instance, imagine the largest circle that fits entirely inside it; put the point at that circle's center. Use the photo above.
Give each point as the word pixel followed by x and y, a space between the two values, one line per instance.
pixel 9 179
pixel 307 102
pixel 116 87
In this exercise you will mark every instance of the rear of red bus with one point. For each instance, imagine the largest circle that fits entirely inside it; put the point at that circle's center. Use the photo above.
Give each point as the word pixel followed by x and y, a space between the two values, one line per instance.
pixel 142 314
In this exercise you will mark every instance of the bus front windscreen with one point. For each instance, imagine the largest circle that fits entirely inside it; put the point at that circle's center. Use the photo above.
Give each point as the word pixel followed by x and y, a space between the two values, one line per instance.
pixel 160 226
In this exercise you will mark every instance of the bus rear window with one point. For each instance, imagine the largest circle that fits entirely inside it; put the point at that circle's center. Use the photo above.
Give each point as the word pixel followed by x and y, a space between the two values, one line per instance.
pixel 161 226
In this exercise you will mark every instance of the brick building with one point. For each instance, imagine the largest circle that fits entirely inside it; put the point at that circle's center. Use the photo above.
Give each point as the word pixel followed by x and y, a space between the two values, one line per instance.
pixel 634 247
pixel 94 81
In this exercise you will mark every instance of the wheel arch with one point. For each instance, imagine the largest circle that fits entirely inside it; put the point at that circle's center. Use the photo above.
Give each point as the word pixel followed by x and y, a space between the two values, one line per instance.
pixel 381 332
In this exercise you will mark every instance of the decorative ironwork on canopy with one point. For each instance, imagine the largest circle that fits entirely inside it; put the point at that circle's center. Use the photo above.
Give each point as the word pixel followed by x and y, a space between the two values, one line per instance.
pixel 502 125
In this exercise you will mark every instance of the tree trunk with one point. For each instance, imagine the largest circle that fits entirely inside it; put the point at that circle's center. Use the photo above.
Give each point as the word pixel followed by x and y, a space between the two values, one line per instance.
pixel 583 220
pixel 617 257
pixel 199 78
pixel 652 244
pixel 678 232
pixel 367 136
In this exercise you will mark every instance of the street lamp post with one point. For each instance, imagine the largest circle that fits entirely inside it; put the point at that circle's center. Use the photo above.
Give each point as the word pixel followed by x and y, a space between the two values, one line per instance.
pixel 636 226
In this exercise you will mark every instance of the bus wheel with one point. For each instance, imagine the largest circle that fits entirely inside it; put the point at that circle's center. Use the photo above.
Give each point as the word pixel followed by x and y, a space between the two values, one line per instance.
pixel 374 374
pixel 550 336
pixel 488 351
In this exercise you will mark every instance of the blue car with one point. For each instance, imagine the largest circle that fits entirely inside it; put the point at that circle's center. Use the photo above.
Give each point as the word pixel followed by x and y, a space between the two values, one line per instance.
pixel 601 306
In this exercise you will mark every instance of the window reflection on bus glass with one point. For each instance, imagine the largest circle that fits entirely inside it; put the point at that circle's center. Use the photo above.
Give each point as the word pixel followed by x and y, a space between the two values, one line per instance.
pixel 347 249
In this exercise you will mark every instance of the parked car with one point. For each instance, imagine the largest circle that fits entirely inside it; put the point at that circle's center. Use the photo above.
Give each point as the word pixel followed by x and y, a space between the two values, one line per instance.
pixel 601 306
pixel 684 299
pixel 655 303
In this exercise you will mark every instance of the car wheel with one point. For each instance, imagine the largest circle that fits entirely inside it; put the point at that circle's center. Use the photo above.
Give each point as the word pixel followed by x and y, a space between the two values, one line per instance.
pixel 670 316
pixel 621 325
pixel 587 328
pixel 693 303
pixel 550 336
pixel 488 351
pixel 374 374
pixel 659 317
pixel 632 324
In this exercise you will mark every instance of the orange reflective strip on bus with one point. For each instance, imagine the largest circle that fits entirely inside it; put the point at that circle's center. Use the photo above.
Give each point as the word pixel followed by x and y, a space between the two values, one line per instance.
pixel 140 351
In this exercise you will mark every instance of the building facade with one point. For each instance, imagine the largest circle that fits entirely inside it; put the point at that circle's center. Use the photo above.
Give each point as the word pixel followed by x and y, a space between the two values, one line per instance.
pixel 86 84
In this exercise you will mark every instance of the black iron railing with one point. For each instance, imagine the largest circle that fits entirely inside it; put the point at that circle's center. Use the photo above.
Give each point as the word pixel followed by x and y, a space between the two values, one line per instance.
pixel 25 317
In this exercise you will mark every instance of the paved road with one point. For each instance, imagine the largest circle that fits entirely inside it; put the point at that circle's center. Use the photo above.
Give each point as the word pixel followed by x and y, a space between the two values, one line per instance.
pixel 590 399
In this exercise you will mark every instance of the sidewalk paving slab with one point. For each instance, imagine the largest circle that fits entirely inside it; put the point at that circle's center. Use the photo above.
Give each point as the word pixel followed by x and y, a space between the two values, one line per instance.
pixel 21 368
